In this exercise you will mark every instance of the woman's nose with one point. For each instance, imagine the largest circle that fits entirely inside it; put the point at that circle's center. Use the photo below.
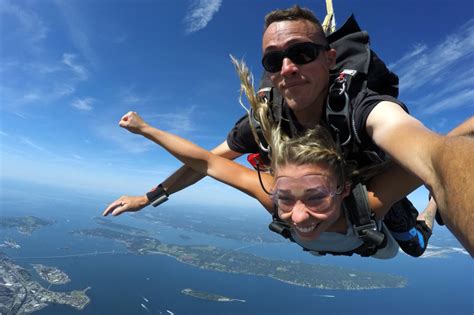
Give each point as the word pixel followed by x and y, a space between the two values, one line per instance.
pixel 299 213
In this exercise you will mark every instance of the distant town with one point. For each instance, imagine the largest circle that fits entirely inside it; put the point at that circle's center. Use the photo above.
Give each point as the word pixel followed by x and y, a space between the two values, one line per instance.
pixel 21 295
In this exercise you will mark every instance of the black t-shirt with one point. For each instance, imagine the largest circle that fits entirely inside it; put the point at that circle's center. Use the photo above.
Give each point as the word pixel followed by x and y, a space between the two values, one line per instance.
pixel 240 138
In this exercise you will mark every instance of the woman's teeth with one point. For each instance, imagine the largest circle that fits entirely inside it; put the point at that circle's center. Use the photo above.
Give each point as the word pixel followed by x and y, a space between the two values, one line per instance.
pixel 306 229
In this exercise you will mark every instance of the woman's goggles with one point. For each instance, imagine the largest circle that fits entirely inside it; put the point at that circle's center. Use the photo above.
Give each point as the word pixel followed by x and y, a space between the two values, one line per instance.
pixel 314 191
pixel 299 53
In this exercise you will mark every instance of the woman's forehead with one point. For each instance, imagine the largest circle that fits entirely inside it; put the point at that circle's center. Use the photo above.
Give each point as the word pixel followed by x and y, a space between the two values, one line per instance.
pixel 296 171
pixel 304 183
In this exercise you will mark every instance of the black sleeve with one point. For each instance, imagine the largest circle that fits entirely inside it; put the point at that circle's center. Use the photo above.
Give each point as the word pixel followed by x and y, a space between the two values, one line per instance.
pixel 240 138
pixel 363 105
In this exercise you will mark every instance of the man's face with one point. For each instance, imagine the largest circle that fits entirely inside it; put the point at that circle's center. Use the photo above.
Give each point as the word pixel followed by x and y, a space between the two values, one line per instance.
pixel 304 86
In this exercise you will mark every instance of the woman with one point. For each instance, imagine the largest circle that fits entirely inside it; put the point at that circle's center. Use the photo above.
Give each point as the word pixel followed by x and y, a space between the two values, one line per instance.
pixel 309 179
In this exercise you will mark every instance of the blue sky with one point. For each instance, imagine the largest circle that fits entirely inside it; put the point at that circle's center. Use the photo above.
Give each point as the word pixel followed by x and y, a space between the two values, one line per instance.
pixel 70 69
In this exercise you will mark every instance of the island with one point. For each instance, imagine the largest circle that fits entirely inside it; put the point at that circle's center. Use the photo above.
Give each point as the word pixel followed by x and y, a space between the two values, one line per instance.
pixel 235 261
pixel 20 295
pixel 208 296
pixel 9 243
pixel 51 274
pixel 25 225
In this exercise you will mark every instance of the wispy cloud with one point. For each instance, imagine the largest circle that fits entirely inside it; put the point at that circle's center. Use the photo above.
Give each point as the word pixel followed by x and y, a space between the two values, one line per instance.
pixel 84 104
pixel 200 14
pixel 79 70
pixel 126 141
pixel 31 144
pixel 128 96
pixel 439 77
pixel 179 123
pixel 29 23
pixel 77 27
pixel 39 83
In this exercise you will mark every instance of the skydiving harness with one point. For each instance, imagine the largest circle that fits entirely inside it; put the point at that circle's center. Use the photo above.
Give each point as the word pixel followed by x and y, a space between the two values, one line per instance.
pixel 354 52
pixel 340 122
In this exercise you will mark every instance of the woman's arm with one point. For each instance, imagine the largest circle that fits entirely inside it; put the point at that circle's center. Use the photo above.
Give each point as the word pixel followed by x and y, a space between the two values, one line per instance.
pixel 393 184
pixel 203 161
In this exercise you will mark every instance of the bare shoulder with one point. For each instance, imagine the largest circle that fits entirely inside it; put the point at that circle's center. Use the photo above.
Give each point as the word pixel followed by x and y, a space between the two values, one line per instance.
pixel 388 116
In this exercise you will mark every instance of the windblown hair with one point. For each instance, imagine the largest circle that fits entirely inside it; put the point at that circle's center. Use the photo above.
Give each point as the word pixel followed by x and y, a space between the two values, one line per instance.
pixel 294 13
pixel 315 146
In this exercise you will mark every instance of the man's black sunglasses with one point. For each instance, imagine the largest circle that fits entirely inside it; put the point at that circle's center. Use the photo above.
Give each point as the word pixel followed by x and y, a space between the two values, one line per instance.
pixel 299 53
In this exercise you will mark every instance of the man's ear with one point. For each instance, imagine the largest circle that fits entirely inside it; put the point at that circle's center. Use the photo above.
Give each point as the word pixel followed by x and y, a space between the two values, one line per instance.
pixel 347 189
pixel 331 58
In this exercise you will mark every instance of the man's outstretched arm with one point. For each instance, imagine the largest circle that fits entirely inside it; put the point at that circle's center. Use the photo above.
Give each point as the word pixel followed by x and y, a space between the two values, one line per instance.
pixel 444 164
pixel 180 179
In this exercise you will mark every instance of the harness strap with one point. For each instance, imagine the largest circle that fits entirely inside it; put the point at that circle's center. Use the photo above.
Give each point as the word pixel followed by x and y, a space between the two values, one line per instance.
pixel 339 112
pixel 360 215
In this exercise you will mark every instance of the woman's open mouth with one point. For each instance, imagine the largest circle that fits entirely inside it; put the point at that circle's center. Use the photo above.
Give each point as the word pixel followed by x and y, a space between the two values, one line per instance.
pixel 306 229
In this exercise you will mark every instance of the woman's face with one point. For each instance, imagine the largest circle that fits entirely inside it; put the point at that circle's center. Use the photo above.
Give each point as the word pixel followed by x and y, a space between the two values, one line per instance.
pixel 308 198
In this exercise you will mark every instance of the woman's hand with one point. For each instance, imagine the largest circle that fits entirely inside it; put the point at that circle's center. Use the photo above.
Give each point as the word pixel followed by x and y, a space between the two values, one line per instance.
pixel 126 204
pixel 133 123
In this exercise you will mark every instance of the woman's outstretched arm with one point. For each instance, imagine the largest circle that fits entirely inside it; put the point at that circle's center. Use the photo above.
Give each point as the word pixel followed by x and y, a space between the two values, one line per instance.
pixel 203 161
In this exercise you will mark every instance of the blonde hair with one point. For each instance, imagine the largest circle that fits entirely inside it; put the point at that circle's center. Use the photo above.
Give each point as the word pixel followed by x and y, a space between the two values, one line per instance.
pixel 315 146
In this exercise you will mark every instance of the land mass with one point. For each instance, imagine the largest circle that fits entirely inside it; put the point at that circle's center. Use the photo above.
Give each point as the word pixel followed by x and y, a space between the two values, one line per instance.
pixel 208 296
pixel 20 295
pixel 232 261
pixel 51 274
pixel 25 225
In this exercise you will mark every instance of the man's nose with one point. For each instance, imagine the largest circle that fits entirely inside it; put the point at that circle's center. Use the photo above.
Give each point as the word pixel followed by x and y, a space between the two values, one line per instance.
pixel 288 67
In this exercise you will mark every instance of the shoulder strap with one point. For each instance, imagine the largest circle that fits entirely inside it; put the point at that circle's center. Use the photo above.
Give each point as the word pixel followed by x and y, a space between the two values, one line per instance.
pixel 357 205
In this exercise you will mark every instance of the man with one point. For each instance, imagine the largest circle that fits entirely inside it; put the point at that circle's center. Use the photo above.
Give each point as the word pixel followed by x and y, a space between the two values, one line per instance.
pixel 441 163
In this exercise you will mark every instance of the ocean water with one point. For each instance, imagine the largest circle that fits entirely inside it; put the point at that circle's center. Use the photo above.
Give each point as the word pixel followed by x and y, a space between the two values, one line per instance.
pixel 123 283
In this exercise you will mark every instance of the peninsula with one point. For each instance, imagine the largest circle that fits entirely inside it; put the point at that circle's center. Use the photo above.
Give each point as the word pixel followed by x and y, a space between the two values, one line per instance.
pixel 222 260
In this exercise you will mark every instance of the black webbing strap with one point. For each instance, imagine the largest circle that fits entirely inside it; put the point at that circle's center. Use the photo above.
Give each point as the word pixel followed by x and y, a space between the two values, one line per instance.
pixel 357 205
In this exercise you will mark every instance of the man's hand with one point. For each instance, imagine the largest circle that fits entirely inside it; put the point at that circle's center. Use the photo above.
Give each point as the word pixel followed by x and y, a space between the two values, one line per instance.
pixel 133 122
pixel 126 204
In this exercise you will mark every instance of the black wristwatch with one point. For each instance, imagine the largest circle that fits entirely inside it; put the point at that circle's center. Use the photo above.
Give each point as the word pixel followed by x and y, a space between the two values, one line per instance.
pixel 157 195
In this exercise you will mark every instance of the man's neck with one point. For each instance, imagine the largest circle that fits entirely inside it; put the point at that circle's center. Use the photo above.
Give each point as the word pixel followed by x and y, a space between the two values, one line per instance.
pixel 310 117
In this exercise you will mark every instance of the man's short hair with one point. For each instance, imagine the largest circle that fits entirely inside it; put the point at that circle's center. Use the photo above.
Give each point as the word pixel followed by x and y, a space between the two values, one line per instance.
pixel 294 13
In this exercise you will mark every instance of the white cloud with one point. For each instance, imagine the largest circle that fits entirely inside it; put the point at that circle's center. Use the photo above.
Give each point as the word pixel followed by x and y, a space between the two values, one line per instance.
pixel 83 104
pixel 29 23
pixel 80 71
pixel 417 50
pixel 424 64
pixel 76 27
pixel 179 122
pixel 128 96
pixel 439 78
pixel 126 141
pixel 456 100
pixel 33 145
pixel 200 14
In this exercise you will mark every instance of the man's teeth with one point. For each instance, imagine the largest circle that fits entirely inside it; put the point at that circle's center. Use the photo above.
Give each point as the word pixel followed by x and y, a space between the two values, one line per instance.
pixel 306 229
